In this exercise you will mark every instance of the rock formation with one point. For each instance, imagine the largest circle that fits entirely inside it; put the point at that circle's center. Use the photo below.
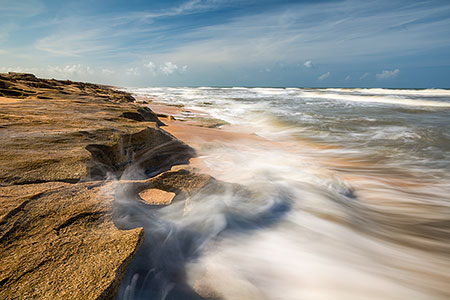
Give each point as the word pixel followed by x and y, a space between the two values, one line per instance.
pixel 62 142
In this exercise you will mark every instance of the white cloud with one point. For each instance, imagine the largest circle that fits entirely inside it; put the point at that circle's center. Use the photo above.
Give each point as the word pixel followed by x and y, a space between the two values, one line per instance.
pixel 19 69
pixel 189 7
pixel 75 71
pixel 69 70
pixel 358 31
pixel 294 33
pixel 87 42
pixel 168 68
pixel 364 76
pixel 286 33
pixel 150 66
pixel 324 76
pixel 133 71
pixel 348 78
pixel 386 74
pixel 108 72
pixel 81 36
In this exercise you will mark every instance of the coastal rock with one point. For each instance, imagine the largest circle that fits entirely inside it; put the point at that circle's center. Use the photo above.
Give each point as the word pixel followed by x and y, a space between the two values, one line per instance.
pixel 157 197
pixel 73 137
pixel 58 241
pixel 176 185
pixel 60 142
pixel 143 114
pixel 24 86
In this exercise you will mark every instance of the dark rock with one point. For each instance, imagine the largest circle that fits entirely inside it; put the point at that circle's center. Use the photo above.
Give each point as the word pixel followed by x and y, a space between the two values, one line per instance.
pixel 133 116
pixel 4 84
pixel 143 114
pixel 11 93
pixel 22 76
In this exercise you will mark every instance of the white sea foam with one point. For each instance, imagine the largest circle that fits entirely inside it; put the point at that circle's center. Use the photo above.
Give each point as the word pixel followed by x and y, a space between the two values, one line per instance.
pixel 311 253
pixel 270 91
pixel 351 216
pixel 375 99
pixel 405 92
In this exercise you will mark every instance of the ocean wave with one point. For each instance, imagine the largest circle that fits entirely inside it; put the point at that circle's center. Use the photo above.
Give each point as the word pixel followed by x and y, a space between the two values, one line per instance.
pixel 375 99
pixel 403 92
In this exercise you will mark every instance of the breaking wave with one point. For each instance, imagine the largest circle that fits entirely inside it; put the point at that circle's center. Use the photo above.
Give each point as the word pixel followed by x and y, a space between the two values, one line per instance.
pixel 350 198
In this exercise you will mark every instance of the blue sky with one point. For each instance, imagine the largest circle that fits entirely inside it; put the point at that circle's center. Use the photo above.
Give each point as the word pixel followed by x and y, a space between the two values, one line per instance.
pixel 230 43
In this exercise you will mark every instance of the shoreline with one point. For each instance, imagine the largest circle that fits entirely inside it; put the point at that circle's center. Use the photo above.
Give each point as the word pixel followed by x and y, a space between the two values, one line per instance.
pixel 350 170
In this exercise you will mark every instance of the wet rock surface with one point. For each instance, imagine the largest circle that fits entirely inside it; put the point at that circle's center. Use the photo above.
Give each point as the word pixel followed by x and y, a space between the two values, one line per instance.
pixel 62 142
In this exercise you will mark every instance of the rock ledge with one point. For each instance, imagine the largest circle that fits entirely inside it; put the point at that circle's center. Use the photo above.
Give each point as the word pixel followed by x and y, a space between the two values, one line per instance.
pixel 61 141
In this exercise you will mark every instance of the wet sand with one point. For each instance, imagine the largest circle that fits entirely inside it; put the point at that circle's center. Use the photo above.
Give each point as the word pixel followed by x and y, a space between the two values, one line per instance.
pixel 391 207
pixel 371 182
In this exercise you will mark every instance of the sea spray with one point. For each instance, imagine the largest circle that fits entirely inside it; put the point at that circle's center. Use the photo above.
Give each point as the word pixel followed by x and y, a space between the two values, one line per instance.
pixel 329 245
pixel 344 199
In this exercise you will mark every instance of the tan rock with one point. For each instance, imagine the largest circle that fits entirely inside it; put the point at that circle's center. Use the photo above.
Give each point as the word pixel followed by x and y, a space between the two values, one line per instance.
pixel 77 134
pixel 59 242
pixel 170 186
pixel 57 236
pixel 157 197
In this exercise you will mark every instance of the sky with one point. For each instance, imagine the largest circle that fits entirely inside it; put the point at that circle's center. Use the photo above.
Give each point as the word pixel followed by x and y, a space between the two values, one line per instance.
pixel 137 43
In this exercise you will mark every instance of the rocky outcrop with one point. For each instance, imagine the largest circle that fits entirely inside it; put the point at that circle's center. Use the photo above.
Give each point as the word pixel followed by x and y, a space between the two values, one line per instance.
pixel 22 85
pixel 58 241
pixel 143 114
pixel 180 184
pixel 61 142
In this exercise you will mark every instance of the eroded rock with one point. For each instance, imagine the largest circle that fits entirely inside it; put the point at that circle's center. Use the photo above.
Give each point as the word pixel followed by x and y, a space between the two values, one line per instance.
pixel 59 143
pixel 58 241
pixel 156 197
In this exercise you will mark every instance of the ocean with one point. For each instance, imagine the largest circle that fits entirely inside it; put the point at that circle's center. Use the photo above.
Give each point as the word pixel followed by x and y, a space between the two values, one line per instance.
pixel 354 195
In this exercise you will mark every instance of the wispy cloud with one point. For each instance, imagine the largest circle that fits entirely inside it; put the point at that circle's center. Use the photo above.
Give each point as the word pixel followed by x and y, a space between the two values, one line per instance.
pixel 108 72
pixel 189 7
pixel 365 31
pixel 56 71
pixel 348 78
pixel 294 33
pixel 20 69
pixel 364 76
pixel 87 35
pixel 386 74
pixel 282 36
pixel 79 44
pixel 69 70
pixel 23 8
pixel 134 71
pixel 308 64
pixel 324 76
